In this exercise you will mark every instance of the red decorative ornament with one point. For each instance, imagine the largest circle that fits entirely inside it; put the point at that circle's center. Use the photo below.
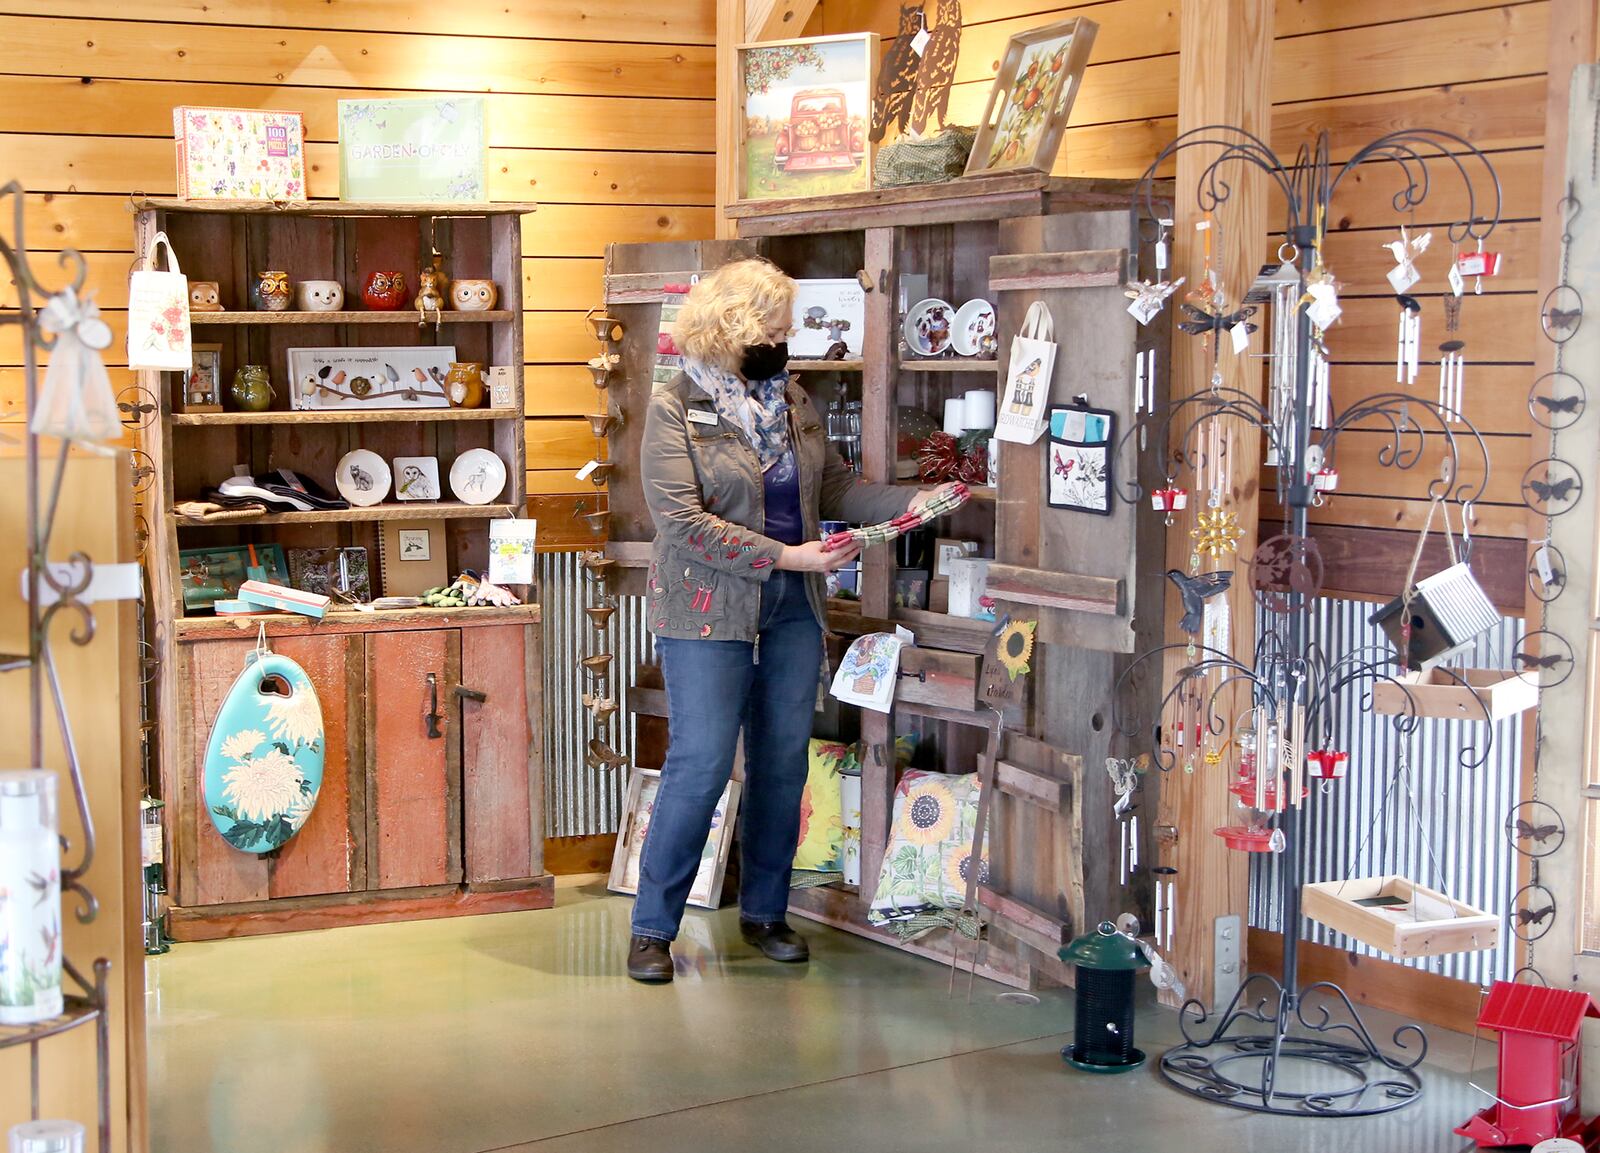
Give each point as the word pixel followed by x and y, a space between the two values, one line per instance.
pixel 1169 499
pixel 939 458
pixel 1327 764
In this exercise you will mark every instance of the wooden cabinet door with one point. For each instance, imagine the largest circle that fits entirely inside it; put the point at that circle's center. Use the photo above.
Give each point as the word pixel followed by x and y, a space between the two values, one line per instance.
pixel 327 855
pixel 413 779
pixel 501 783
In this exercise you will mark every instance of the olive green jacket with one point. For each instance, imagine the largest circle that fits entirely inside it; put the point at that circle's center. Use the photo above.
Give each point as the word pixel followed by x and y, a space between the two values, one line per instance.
pixel 702 484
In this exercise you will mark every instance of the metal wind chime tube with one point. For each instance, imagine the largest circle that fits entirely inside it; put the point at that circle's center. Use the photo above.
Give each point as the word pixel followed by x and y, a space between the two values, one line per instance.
pixel 1274 1025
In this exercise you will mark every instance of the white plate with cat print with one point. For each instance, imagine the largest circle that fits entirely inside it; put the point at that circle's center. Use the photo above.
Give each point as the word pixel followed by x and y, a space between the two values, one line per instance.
pixel 363 477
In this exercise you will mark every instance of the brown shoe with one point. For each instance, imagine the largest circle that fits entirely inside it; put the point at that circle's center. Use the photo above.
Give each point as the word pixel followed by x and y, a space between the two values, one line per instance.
pixel 775 940
pixel 650 960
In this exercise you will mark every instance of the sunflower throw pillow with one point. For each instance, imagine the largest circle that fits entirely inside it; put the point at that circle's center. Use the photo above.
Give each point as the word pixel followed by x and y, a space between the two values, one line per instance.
pixel 930 847
pixel 821 848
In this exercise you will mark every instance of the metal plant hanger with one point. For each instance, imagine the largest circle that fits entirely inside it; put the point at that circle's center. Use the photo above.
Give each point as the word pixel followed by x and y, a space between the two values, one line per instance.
pixel 1274 1024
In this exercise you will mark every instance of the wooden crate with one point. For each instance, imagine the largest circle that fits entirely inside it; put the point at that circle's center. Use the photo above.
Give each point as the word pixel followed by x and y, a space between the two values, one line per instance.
pixel 1437 693
pixel 1419 923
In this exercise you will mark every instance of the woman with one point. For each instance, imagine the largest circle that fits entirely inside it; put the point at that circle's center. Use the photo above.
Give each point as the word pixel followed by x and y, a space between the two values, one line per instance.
pixel 738 478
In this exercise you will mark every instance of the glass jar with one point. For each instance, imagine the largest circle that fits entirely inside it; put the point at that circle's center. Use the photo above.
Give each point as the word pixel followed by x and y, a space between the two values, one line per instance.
pixel 30 921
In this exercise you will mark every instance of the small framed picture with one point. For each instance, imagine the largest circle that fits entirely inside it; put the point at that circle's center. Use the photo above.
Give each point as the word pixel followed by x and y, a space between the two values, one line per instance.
pixel 911 588
pixel 202 384
pixel 638 807
pixel 416 544
pixel 416 477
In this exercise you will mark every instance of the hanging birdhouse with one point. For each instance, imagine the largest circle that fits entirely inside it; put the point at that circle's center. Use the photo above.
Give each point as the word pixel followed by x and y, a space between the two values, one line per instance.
pixel 1327 765
pixel 1103 1030
pixel 1447 612
pixel 1536 1096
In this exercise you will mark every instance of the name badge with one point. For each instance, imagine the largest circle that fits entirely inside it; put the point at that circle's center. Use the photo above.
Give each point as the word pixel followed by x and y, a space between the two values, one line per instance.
pixel 700 416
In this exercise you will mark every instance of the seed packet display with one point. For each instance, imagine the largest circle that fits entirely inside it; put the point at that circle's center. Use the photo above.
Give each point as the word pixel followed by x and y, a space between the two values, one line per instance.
pixel 1079 468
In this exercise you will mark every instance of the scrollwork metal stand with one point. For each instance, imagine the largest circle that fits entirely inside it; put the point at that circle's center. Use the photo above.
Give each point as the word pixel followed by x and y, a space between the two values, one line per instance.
pixel 1279 1047
pixel 63 586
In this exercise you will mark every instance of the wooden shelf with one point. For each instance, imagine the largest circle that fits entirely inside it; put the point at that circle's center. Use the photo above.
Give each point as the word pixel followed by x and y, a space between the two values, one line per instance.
pixel 359 316
pixel 332 207
pixel 351 621
pixel 342 416
pixel 414 510
pixel 953 365
pixel 933 630
pixel 825 365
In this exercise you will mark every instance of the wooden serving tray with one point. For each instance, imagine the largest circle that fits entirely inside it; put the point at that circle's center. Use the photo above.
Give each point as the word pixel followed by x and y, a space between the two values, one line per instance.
pixel 1399 916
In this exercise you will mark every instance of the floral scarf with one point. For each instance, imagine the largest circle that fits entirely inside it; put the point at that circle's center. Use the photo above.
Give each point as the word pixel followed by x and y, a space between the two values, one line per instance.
pixel 761 408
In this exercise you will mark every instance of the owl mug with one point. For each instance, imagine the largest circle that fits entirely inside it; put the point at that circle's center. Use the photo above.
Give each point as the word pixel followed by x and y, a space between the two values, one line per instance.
pixel 473 295
pixel 321 296
pixel 272 291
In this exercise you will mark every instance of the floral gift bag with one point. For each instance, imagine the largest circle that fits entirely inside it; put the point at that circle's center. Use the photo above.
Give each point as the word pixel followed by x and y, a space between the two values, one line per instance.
pixel 158 314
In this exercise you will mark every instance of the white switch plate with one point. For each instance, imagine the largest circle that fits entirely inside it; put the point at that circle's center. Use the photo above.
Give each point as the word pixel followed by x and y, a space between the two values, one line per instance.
pixel 1226 970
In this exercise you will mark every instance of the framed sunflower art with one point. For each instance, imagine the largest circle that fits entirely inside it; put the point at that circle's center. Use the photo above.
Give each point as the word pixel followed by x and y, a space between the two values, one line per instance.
pixel 1031 99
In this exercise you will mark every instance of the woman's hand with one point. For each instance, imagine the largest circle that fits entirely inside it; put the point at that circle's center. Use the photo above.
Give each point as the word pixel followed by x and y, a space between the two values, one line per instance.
pixel 927 494
pixel 809 557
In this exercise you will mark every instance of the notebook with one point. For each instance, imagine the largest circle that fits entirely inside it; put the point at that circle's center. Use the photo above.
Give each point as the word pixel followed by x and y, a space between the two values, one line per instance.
pixel 411 557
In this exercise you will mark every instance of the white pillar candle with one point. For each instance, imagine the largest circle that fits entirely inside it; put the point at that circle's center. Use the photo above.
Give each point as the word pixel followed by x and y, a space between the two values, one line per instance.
pixel 955 415
pixel 979 408
pixel 47 1137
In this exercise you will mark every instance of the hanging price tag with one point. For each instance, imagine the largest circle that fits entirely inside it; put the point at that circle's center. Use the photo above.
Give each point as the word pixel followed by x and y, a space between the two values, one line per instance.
pixel 919 42
pixel 1161 256
pixel 1458 283
pixel 1403 276
pixel 1241 337
pixel 1542 565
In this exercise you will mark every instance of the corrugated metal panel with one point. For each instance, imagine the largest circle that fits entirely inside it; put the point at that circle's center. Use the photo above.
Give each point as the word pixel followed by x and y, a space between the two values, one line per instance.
pixel 1445 831
pixel 580 801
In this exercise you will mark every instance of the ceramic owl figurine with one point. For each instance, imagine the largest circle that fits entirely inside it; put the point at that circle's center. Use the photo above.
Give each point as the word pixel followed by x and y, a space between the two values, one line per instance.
pixel 474 295
pixel 204 296
pixel 272 290
pixel 385 291
pixel 428 298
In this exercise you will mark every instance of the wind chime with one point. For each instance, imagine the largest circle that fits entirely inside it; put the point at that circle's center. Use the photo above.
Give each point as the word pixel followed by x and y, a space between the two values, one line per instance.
pixel 597 700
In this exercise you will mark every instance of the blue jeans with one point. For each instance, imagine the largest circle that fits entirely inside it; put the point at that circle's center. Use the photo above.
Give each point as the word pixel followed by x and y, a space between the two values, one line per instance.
pixel 715 688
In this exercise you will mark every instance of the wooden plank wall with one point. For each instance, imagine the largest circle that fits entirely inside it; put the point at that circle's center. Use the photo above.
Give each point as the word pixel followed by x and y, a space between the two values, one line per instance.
pixel 600 110
pixel 1355 69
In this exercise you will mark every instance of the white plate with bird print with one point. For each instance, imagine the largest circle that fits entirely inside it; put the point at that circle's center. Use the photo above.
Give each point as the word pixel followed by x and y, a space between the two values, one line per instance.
pixel 974 328
pixel 927 327
pixel 363 478
pixel 478 476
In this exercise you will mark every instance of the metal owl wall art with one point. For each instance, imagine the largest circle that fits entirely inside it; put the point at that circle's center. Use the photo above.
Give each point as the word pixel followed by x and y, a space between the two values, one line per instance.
pixel 897 78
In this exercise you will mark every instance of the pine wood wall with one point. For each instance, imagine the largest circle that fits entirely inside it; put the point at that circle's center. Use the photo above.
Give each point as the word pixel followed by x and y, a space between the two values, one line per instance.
pixel 601 110
pixel 1358 68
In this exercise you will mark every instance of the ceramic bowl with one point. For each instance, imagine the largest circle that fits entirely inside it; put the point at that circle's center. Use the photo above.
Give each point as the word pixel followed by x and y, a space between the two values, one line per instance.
pixel 478 476
pixel 473 295
pixel 974 322
pixel 928 326
pixel 362 478
pixel 320 295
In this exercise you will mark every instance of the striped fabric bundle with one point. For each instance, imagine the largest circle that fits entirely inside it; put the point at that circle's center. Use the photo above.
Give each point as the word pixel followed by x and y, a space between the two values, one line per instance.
pixel 946 502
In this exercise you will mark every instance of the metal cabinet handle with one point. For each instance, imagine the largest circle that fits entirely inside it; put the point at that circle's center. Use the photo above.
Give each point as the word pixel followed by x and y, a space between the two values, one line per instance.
pixel 465 694
pixel 433 716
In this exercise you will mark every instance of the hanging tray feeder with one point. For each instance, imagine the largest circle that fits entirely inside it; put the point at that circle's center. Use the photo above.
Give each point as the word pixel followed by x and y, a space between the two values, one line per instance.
pixel 1400 917
pixel 1462 694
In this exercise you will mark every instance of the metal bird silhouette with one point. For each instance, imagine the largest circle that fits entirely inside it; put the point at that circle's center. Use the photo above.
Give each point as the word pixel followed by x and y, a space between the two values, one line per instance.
pixel 1196 590
pixel 897 78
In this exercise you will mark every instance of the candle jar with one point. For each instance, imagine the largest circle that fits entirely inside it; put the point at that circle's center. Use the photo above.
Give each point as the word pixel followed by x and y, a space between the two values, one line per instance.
pixel 47 1137
pixel 30 918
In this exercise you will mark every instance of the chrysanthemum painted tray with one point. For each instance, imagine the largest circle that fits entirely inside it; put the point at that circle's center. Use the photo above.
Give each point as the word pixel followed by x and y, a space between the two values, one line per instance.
pixel 263 765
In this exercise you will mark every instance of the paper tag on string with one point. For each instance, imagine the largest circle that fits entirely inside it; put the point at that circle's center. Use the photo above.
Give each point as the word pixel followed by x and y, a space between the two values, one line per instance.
pixel 1403 276
pixel 1161 256
pixel 1458 283
pixel 1542 565
pixel 584 472
pixel 1241 336
pixel 511 545
pixel 919 42
pixel 1215 631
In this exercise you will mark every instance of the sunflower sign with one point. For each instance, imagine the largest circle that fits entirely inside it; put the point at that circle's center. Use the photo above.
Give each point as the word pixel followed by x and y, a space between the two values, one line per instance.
pixel 1006 662
pixel 263 766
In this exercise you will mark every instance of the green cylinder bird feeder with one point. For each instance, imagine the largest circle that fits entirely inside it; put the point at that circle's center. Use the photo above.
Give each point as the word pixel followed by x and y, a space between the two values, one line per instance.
pixel 1107 962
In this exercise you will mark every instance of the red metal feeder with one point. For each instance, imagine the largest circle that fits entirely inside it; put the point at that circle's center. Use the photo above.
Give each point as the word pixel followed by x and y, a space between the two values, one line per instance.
pixel 1536 1096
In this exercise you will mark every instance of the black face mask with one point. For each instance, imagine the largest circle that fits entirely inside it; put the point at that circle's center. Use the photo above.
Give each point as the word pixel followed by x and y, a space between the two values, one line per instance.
pixel 764 361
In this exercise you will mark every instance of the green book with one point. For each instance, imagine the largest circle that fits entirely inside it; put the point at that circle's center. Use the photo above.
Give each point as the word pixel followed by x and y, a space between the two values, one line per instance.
pixel 423 150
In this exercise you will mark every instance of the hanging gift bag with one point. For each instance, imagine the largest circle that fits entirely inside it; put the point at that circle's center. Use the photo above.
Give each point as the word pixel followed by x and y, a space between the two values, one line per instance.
pixel 158 314
pixel 76 402
pixel 1023 414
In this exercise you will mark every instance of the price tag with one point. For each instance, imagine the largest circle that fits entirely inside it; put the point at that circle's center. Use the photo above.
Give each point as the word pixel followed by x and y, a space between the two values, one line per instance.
pixel 1403 276
pixel 1542 565
pixel 1458 283
pixel 919 42
pixel 1201 225
pixel 1241 337
pixel 1161 256
pixel 583 473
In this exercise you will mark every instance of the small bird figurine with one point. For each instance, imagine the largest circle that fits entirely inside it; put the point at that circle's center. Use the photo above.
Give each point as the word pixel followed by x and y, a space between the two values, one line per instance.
pixel 1196 590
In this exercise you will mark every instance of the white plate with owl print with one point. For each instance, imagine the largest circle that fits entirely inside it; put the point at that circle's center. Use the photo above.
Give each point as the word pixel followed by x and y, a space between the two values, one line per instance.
pixel 363 477
pixel 478 476
pixel 974 328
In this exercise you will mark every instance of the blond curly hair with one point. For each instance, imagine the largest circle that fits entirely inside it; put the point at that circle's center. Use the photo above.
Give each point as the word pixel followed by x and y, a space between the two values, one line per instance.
pixel 734 306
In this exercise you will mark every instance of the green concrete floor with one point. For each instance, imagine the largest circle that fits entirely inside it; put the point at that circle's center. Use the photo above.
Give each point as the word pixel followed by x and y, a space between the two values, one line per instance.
pixel 520 1031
